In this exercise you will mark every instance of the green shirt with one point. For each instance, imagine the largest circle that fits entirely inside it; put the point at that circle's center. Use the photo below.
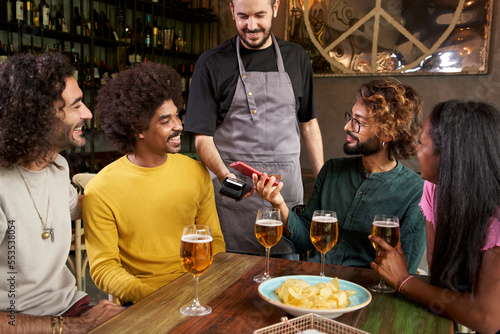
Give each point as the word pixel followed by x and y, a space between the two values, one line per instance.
pixel 342 186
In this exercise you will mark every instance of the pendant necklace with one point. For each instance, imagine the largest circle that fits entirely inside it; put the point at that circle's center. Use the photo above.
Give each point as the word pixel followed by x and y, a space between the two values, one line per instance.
pixel 47 231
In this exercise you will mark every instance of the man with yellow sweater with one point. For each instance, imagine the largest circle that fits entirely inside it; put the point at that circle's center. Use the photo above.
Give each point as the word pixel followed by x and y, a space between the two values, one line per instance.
pixel 135 209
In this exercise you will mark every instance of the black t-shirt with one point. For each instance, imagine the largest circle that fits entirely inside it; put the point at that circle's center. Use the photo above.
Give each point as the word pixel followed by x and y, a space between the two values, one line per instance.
pixel 216 75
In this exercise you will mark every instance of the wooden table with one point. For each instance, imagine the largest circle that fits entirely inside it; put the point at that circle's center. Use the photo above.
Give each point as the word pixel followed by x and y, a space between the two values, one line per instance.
pixel 229 289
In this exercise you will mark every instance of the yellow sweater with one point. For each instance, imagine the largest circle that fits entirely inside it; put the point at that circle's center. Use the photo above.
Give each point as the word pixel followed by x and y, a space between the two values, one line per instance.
pixel 134 217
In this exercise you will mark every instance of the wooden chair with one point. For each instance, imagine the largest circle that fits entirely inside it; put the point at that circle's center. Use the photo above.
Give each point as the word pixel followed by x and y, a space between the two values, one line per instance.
pixel 79 265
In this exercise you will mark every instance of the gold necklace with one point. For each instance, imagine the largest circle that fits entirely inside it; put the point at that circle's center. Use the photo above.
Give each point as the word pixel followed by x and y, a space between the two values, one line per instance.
pixel 47 231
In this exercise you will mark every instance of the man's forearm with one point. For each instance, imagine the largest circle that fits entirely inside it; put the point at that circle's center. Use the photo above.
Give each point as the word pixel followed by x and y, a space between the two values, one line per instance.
pixel 205 147
pixel 311 135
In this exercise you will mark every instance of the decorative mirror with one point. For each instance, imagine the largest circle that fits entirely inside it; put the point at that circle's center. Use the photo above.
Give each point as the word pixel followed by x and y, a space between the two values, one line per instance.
pixel 407 36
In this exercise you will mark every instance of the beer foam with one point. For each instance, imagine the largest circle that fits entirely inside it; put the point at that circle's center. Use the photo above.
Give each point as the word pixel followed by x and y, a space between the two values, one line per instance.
pixel 385 224
pixel 268 222
pixel 197 238
pixel 325 219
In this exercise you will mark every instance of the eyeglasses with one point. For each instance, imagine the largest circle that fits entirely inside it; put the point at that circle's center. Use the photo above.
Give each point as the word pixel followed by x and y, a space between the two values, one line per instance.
pixel 355 124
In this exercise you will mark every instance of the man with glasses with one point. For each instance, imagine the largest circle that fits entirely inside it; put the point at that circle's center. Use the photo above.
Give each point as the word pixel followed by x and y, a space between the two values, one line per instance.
pixel 382 127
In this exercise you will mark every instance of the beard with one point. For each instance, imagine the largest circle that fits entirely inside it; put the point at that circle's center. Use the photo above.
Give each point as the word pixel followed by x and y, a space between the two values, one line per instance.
pixel 369 147
pixel 257 44
pixel 65 137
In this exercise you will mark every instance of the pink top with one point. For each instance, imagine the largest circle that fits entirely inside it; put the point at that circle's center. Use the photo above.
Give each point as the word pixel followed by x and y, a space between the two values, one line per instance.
pixel 427 207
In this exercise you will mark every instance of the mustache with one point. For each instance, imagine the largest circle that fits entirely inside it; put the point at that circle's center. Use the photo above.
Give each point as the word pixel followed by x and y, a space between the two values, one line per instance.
pixel 252 31
pixel 175 134
pixel 352 135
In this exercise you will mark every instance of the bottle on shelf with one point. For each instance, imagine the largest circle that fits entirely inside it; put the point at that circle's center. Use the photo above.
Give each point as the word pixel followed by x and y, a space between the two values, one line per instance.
pixel 60 21
pixel 87 76
pixel 147 31
pixel 191 70
pixel 11 10
pixel 97 27
pixel 97 75
pixel 179 42
pixel 182 72
pixel 19 16
pixel 157 39
pixel 108 31
pixel 36 13
pixel 44 14
pixel 87 27
pixel 28 13
pixel 76 65
pixel 77 22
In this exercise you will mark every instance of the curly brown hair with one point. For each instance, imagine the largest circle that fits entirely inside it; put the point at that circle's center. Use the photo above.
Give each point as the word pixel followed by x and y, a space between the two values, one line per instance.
pixel 30 86
pixel 396 111
pixel 129 101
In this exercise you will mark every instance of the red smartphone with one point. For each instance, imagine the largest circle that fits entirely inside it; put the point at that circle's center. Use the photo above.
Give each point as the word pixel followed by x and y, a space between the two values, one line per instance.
pixel 248 171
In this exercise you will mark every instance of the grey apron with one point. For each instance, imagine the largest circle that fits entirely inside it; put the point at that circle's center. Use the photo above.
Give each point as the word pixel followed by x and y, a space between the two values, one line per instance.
pixel 261 130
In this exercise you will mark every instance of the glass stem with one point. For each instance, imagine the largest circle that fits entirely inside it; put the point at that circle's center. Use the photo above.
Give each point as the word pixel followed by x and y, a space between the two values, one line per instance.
pixel 196 303
pixel 322 264
pixel 266 273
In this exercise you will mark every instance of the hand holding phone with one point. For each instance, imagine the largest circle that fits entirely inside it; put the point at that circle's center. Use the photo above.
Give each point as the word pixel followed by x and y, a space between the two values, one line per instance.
pixel 248 171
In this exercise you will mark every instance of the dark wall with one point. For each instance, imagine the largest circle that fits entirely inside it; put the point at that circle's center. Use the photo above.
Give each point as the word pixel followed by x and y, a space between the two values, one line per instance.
pixel 334 95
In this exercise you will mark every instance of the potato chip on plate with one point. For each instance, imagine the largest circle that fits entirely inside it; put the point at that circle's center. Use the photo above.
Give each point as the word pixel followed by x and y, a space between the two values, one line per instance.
pixel 324 296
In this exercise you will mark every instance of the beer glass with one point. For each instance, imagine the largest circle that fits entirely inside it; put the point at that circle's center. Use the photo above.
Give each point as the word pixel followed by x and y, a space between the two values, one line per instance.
pixel 387 228
pixel 268 230
pixel 196 257
pixel 324 233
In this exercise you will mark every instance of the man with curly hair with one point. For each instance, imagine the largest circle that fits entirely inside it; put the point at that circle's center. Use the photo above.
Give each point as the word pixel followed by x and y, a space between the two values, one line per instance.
pixel 383 127
pixel 41 114
pixel 135 209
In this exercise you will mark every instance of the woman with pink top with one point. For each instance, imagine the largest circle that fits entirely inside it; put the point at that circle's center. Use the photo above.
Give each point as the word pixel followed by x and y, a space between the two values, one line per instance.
pixel 459 153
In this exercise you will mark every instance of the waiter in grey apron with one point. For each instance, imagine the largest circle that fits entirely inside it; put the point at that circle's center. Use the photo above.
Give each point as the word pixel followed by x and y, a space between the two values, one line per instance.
pixel 261 130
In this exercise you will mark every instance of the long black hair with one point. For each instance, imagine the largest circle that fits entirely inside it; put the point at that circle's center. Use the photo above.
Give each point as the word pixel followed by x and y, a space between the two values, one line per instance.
pixel 466 138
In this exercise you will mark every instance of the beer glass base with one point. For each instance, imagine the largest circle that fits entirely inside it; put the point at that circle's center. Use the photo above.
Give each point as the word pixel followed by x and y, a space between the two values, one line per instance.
pixel 382 287
pixel 196 310
pixel 262 278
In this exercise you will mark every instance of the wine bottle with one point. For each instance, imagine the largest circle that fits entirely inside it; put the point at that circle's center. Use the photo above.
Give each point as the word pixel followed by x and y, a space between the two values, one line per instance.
pixel 97 75
pixel 44 14
pixel 19 11
pixel 28 13
pixel 76 65
pixel 86 25
pixel 77 22
pixel 10 10
pixel 156 34
pixel 191 70
pixel 87 77
pixel 182 72
pixel 97 27
pixel 36 14
pixel 147 31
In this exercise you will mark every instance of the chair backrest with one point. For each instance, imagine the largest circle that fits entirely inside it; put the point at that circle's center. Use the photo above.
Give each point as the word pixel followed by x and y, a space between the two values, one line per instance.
pixel 81 180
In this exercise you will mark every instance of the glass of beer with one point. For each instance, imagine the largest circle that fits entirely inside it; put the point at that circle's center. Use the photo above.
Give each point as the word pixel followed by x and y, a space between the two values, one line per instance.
pixel 387 228
pixel 196 257
pixel 324 233
pixel 268 230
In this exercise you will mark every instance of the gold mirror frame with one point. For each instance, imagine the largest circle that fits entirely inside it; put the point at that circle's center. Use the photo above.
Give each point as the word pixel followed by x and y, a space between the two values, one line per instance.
pixel 408 36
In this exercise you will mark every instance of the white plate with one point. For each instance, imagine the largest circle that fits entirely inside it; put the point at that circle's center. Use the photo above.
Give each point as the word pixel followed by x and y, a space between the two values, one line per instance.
pixel 362 297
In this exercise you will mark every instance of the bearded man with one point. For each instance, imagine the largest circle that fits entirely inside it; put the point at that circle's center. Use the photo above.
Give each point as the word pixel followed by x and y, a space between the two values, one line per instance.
pixel 382 128
pixel 251 99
